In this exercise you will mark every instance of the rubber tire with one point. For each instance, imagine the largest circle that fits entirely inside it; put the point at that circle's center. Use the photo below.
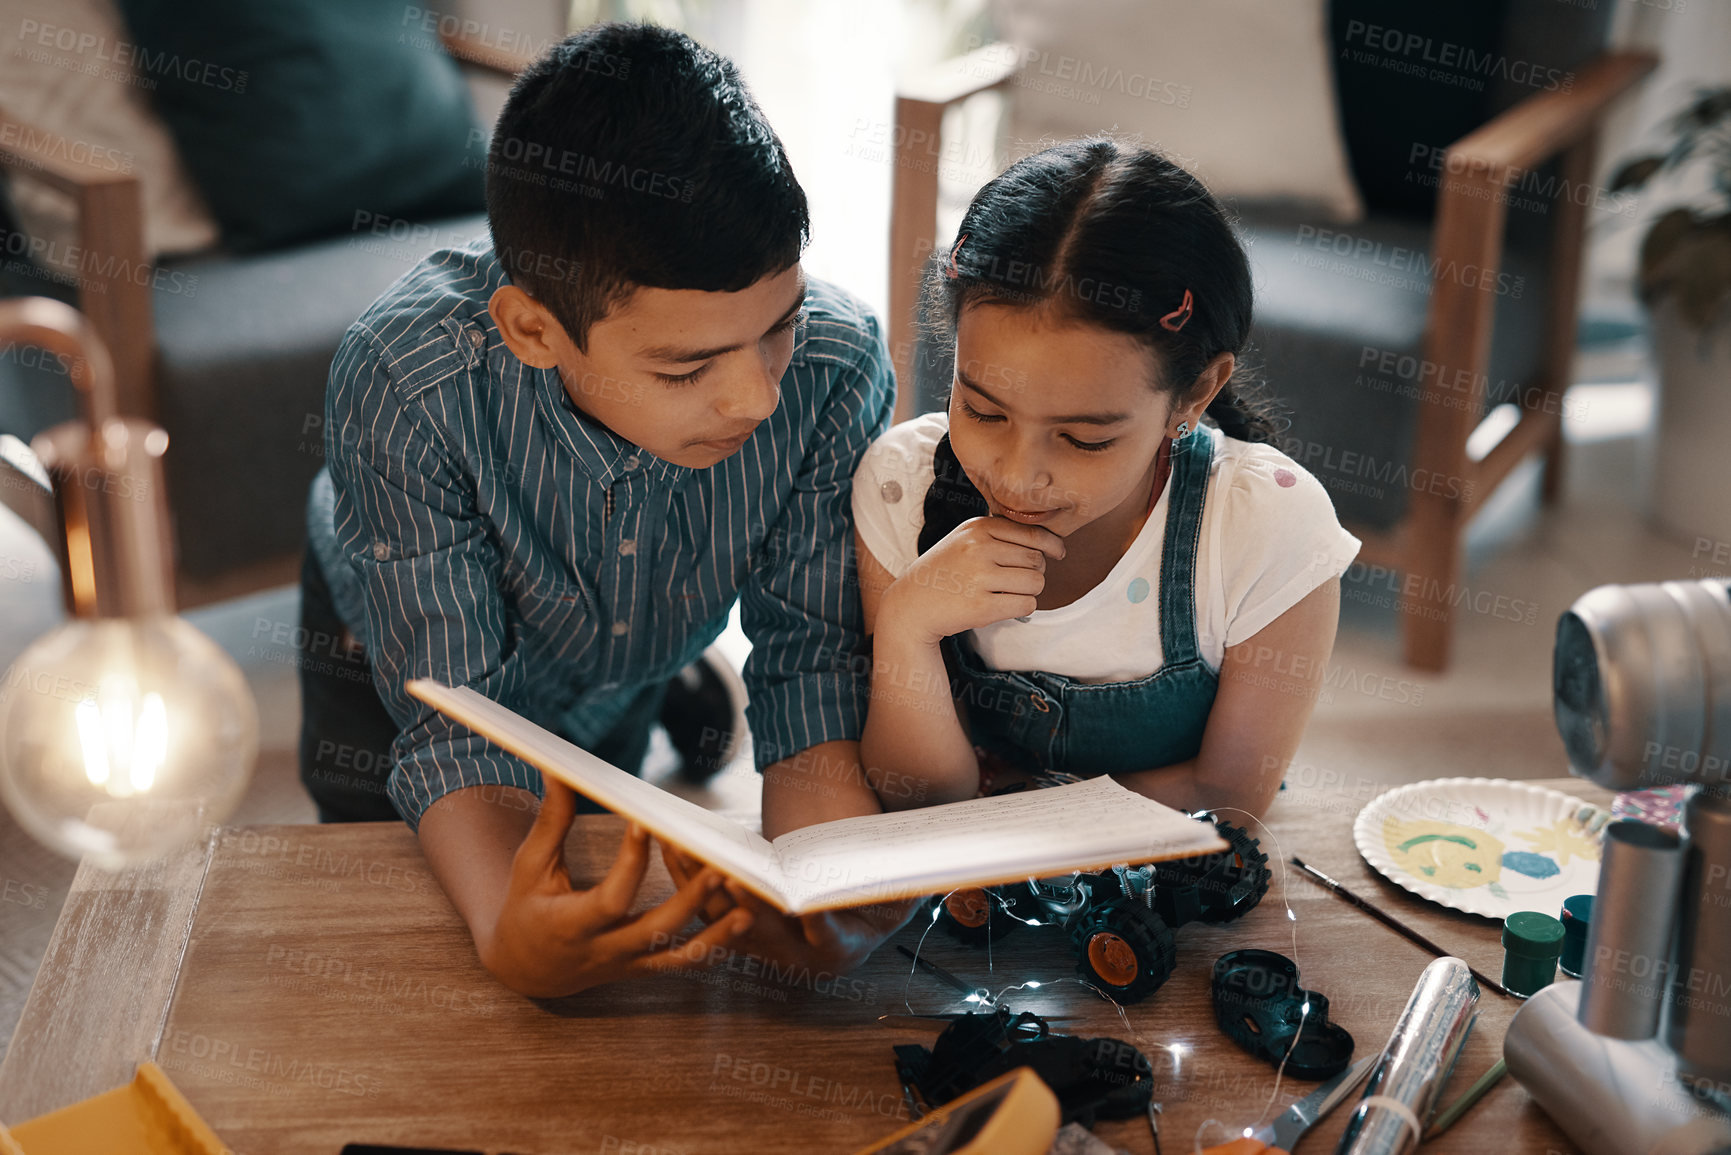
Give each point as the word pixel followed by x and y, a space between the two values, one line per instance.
pixel 1252 876
pixel 1147 935
pixel 995 928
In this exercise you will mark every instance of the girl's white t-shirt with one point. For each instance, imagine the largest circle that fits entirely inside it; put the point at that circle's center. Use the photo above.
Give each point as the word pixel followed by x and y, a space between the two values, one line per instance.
pixel 1269 536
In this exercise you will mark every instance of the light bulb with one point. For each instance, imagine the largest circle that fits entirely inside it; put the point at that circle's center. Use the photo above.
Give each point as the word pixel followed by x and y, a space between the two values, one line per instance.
pixel 122 739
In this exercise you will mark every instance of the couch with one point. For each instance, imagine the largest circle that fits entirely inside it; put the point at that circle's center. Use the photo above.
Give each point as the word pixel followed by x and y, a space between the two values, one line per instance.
pixel 229 347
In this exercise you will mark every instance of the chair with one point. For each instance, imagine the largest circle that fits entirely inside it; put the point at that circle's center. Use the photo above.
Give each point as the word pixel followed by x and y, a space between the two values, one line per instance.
pixel 235 369
pixel 1396 445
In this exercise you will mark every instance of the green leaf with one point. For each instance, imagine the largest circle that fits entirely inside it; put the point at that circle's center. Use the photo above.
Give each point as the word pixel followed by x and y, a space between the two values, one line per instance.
pixel 1709 106
pixel 1687 251
pixel 1703 278
pixel 1636 173
pixel 1663 238
pixel 1682 150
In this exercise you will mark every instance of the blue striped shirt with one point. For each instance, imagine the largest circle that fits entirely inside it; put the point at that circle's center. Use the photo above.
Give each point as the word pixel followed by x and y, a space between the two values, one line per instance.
pixel 491 536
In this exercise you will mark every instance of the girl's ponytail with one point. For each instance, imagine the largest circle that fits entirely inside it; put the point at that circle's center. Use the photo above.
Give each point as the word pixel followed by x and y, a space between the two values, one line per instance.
pixel 951 499
pixel 1243 412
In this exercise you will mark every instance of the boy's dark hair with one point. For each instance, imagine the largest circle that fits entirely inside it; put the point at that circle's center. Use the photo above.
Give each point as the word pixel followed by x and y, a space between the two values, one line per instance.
pixel 630 155
pixel 1110 235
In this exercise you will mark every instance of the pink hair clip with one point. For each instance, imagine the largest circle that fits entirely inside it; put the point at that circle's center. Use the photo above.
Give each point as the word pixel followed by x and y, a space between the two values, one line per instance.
pixel 954 249
pixel 1174 320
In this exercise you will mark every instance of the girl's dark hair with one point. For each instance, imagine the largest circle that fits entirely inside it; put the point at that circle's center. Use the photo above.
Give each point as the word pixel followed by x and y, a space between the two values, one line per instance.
pixel 1111 235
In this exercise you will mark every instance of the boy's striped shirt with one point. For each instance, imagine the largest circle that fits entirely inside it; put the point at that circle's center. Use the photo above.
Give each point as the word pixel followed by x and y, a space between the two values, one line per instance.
pixel 482 532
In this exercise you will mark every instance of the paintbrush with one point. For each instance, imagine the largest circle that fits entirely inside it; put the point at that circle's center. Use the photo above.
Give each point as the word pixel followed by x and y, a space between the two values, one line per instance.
pixel 1395 924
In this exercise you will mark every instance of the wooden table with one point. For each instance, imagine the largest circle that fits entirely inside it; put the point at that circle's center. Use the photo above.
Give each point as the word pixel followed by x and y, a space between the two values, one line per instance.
pixel 309 986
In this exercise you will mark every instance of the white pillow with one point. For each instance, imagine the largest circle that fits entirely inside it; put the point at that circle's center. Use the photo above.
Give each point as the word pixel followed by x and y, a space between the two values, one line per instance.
pixel 66 67
pixel 1240 92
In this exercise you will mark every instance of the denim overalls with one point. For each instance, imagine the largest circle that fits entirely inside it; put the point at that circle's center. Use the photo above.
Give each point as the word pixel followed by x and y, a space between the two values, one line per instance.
pixel 1061 729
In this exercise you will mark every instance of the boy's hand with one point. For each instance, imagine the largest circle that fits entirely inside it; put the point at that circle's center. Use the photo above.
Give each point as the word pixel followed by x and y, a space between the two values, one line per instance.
pixel 986 570
pixel 836 941
pixel 684 869
pixel 552 939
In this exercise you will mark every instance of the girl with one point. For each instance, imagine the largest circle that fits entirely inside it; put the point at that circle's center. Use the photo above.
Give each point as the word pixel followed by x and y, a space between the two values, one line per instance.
pixel 1069 573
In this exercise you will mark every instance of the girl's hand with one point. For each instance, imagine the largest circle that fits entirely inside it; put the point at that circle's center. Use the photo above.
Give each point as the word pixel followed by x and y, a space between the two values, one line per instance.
pixel 988 569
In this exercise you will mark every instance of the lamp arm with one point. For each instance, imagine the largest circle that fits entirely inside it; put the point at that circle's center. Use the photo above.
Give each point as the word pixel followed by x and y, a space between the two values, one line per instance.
pixel 105 513
pixel 25 488
pixel 63 330
pixel 26 491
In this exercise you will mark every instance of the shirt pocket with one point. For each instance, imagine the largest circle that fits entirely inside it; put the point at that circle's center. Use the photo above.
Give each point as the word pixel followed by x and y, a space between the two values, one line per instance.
pixel 556 618
pixel 698 605
pixel 699 585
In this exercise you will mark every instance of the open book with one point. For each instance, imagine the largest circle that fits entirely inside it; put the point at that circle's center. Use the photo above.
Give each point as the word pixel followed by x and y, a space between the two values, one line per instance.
pixel 1087 825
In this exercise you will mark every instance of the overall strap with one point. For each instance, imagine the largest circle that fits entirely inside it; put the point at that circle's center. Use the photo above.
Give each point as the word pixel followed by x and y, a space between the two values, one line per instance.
pixel 1189 484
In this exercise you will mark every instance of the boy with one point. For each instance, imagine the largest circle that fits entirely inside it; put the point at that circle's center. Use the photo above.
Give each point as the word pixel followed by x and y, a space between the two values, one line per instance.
pixel 554 462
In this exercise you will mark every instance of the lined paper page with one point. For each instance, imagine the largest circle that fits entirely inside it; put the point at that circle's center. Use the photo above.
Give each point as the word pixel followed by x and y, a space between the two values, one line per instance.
pixel 1079 826
pixel 719 841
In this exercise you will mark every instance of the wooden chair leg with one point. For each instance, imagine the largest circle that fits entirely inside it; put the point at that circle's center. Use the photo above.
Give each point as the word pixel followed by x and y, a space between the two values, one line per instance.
pixel 913 232
pixel 1468 234
pixel 917 147
pixel 116 294
pixel 1556 465
pixel 1563 309
pixel 1430 581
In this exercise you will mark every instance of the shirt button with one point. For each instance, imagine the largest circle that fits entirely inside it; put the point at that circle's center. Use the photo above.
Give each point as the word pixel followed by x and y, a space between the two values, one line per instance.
pixel 891 491
pixel 381 551
pixel 633 461
pixel 477 338
pixel 627 547
pixel 621 628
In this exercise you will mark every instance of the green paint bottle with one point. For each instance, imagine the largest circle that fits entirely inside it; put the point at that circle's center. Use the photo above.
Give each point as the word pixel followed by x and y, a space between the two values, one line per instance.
pixel 1532 943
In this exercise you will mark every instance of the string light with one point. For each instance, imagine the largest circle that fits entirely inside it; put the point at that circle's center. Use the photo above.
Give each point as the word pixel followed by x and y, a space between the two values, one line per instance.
pixel 1304 1010
pixel 1176 1050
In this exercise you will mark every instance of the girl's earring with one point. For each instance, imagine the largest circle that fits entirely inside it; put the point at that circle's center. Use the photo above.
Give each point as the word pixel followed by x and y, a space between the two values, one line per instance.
pixel 1183 431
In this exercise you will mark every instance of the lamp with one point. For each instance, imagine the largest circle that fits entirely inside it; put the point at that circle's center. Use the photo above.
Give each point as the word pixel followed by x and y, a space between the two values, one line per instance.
pixel 124 731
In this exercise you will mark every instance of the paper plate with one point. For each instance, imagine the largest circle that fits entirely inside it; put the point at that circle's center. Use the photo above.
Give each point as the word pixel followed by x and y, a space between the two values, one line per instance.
pixel 1488 846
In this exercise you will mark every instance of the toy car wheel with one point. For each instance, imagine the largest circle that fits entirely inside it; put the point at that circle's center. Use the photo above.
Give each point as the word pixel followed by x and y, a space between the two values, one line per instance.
pixel 1124 949
pixel 1236 883
pixel 974 915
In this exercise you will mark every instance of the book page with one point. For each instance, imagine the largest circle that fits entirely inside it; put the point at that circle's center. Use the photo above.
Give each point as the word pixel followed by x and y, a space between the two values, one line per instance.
pixel 719 841
pixel 983 841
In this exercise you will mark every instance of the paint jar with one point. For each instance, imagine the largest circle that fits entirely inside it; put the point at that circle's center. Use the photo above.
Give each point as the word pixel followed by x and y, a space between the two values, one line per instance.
pixel 1532 943
pixel 1577 919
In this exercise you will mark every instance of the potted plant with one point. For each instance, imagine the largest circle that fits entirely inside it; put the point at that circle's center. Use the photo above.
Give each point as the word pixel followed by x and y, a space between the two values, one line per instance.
pixel 1685 282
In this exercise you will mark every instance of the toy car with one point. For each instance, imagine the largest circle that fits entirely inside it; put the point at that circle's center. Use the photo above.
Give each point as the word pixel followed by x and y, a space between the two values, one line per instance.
pixel 1120 921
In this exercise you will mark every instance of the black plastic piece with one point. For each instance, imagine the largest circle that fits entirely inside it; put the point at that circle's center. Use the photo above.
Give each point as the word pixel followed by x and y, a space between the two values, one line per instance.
pixel 1216 887
pixel 1261 1007
pixel 1093 1079
pixel 1141 905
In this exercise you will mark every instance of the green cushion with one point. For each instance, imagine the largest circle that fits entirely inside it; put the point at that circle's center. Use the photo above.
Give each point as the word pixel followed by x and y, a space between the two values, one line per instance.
pixel 294 116
pixel 1415 78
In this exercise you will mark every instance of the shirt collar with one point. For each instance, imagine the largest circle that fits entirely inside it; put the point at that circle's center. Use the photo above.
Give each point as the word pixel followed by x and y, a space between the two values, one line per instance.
pixel 600 452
